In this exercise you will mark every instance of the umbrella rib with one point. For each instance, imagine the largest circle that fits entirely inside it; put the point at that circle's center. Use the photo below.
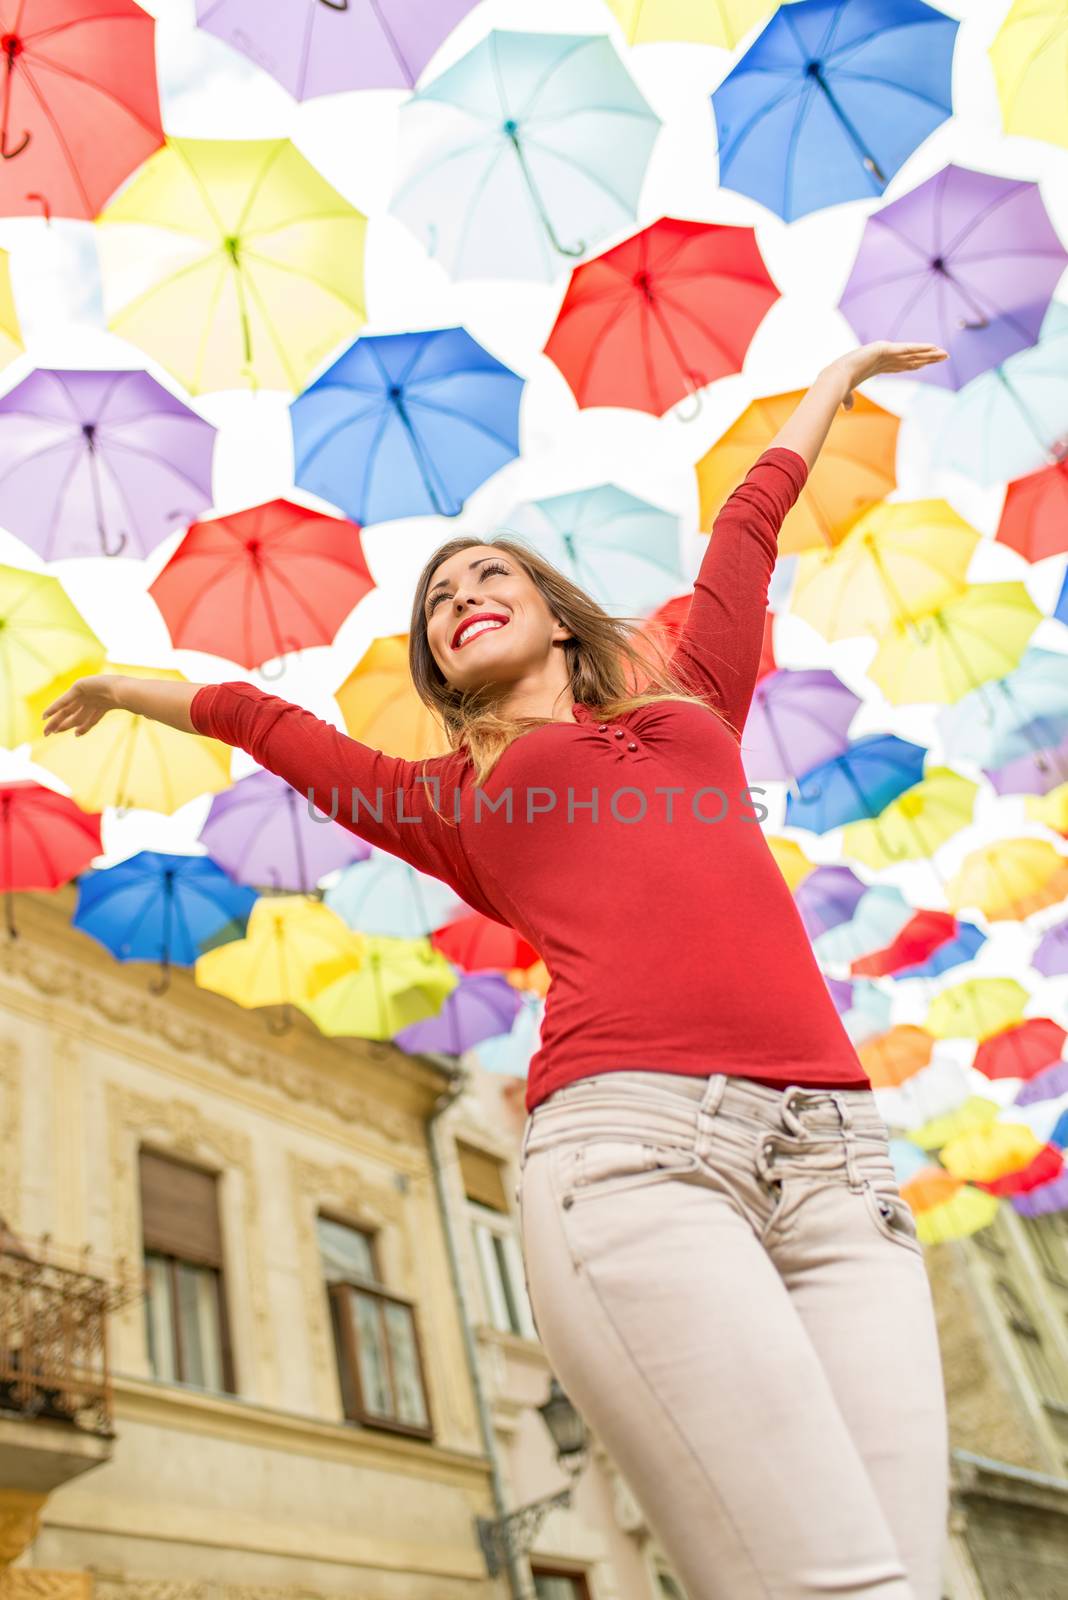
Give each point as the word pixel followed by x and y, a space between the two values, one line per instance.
pixel 306 277
pixel 60 492
pixel 212 307
pixel 973 223
pixel 258 182
pixel 579 166
pixel 205 192
pixel 58 132
pixel 709 332
pixel 460 416
pixel 305 53
pixel 158 460
pixel 91 83
pixel 550 71
pixel 35 455
pixel 331 434
pixel 889 83
pixel 790 91
pixel 117 483
pixel 142 299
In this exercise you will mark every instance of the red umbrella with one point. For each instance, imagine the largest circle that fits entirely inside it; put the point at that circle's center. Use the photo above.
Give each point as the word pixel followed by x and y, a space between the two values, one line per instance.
pixel 45 839
pixel 1022 1050
pixel 666 624
pixel 1042 1168
pixel 477 944
pixel 917 940
pixel 80 106
pixel 1034 518
pixel 661 315
pixel 257 584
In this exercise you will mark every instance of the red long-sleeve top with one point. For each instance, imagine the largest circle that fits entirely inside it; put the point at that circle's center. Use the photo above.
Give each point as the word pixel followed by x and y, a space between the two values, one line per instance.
pixel 628 851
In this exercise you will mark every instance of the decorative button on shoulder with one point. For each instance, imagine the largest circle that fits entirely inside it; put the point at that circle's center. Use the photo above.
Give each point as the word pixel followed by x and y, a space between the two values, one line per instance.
pixel 632 745
pixel 619 733
pixel 601 727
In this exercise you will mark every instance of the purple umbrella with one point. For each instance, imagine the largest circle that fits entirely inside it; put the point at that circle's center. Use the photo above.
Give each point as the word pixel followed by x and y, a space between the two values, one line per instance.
pixel 796 721
pixel 260 831
pixel 1051 955
pixel 481 1006
pixel 841 993
pixel 1049 1084
pixel 1035 773
pixel 1046 1198
pixel 827 897
pixel 968 261
pixel 327 46
pixel 100 463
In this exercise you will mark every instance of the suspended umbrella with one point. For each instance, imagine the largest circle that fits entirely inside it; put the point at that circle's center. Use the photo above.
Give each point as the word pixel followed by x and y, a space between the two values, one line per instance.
pixel 1022 714
pixel 477 944
pixel 99 463
pixel 262 833
pixel 645 21
pixel 1035 773
pixel 841 992
pixel 483 1005
pixel 1030 60
pixel 11 342
pixel 944 653
pixel 534 979
pixel 1051 1083
pixel 621 550
pixel 391 985
pixel 869 1013
pixel 982 1155
pixel 854 471
pixel 1010 421
pixel 898 560
pixel 233 263
pixel 1051 953
pixel 510 1053
pixel 1010 879
pixel 792 861
pixel 262 582
pixel 384 895
pixel 664 629
pixel 1020 1050
pixel 292 948
pixel 156 907
pixel 318 47
pixel 915 824
pixel 826 896
pixel 974 1112
pixel 80 106
pixel 797 719
pixel 831 100
pixel 938 1091
pixel 968 261
pixel 523 154
pixel 1060 611
pixel 956 952
pixel 860 782
pixel 662 315
pixel 976 1008
pixel 406 424
pixel 1051 808
pixel 893 1057
pixel 1035 514
pixel 1041 1202
pixel 45 840
pixel 42 635
pixel 1044 1167
pixel 946 1209
pixel 380 706
pixel 881 913
pixel 127 760
pixel 924 933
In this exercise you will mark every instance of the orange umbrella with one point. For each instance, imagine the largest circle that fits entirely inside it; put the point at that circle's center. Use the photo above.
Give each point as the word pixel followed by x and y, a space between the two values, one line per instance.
pixel 891 1058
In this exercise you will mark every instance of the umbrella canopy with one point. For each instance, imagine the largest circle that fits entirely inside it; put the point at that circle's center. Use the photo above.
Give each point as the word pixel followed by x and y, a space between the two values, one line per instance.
pixel 1049 1083
pixel 380 706
pixel 828 896
pixel 881 914
pixel 956 952
pixel 477 944
pixel 923 934
pixel 858 783
pixel 262 833
pixel 797 719
pixel 406 424
pixel 1052 809
pixel 831 100
pixel 80 106
pixel 854 471
pixel 1051 953
pixel 976 1008
pixel 45 839
pixel 621 550
pixel 1022 714
pixel 948 1209
pixel 1034 517
pixel 318 47
pixel 644 21
pixel 1021 1050
pixel 393 984
pixel 481 1006
pixel 233 263
pixel 384 895
pixel 1035 773
pixel 893 1057
pixel 661 315
pixel 291 949
pixel 11 342
pixel 42 637
pixel 791 861
pixel 523 154
pixel 942 654
pixel 262 582
pixel 1010 879
pixel 127 760
pixel 99 463
pixel 916 824
pixel 968 260
pixel 509 1053
pixel 1030 60
pixel 165 908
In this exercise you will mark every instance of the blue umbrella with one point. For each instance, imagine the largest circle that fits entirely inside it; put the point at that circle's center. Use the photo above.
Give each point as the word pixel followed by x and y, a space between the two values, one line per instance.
pixel 861 782
pixel 964 946
pixel 522 155
pixel 510 1053
pixel 1060 610
pixel 1017 715
pixel 621 550
pixel 406 425
pixel 831 99
pixel 165 908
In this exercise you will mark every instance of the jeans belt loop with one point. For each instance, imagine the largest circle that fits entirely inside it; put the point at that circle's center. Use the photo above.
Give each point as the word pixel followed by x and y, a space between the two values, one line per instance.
pixel 713 1095
pixel 853 1172
pixel 527 1131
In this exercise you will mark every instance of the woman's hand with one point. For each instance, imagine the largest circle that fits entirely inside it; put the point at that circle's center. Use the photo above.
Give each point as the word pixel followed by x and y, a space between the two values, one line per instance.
pixel 883 356
pixel 83 704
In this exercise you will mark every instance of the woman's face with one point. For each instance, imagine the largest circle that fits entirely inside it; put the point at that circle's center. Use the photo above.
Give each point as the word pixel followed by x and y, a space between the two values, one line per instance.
pixel 486 620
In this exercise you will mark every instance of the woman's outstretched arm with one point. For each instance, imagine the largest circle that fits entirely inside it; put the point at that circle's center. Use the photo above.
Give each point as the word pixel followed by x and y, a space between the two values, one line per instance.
pixel 718 652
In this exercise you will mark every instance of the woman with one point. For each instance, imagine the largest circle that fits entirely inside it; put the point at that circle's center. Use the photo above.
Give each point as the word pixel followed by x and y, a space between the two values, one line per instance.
pixel 722 1270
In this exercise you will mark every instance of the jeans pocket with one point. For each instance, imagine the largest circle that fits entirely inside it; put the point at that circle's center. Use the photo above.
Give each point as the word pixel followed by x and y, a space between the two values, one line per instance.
pixel 892 1216
pixel 603 1166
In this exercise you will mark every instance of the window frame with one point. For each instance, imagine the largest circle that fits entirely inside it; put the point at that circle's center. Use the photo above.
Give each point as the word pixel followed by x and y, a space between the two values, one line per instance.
pixel 540 1568
pixel 226 1353
pixel 501 1225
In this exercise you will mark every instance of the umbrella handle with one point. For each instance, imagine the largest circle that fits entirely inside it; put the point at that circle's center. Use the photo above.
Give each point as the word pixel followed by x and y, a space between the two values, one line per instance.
pixel 698 405
pixel 279 1025
pixel 105 548
pixel 272 677
pixel 816 793
pixel 336 5
pixel 9 913
pixel 9 155
pixel 161 984
pixel 45 207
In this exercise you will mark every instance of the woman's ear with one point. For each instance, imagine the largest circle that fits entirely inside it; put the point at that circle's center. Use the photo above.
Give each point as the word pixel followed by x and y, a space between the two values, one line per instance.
pixel 561 633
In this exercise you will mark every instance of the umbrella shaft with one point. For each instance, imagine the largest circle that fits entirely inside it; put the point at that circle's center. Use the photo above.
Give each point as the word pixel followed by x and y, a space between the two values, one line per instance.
pixel 865 155
pixel 539 206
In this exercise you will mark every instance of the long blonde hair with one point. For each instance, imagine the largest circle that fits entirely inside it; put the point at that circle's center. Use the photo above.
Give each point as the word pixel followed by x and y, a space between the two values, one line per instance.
pixel 613 665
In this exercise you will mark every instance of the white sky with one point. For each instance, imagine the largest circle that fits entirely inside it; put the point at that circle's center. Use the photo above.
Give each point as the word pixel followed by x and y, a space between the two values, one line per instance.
pixel 208 91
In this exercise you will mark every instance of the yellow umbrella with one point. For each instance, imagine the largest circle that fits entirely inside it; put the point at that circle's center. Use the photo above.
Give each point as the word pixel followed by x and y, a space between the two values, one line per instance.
pixel 233 262
pixel 916 824
pixel 129 760
pixel 42 636
pixel 394 983
pixel 533 979
pixel 380 706
pixel 11 343
pixel 292 947
pixel 942 654
pixel 695 21
pixel 855 469
pixel 1051 808
pixel 1030 60
pixel 975 1112
pixel 898 560
pixel 791 860
pixel 1009 880
pixel 976 1008
pixel 982 1155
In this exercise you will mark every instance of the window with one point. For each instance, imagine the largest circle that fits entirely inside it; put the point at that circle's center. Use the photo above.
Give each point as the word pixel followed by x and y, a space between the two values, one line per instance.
pixel 550 1584
pixel 185 1306
pixel 499 1257
pixel 670 1588
pixel 1045 1375
pixel 380 1364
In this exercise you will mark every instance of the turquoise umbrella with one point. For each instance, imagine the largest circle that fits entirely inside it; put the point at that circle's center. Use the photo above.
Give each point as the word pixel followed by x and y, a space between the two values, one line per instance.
pixel 524 154
pixel 1024 712
pixel 621 550
pixel 1010 421
pixel 881 913
pixel 386 896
